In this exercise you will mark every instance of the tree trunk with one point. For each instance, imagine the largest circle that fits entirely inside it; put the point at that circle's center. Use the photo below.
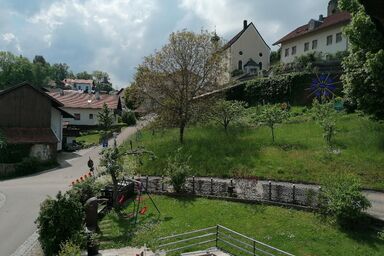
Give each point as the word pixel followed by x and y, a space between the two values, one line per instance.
pixel 181 138
pixel 115 191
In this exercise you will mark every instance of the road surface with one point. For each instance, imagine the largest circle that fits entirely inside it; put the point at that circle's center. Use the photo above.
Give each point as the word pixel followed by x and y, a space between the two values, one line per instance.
pixel 20 198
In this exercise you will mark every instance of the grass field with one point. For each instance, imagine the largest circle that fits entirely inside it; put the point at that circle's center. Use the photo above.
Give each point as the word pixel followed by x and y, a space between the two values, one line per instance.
pixel 298 232
pixel 89 139
pixel 299 153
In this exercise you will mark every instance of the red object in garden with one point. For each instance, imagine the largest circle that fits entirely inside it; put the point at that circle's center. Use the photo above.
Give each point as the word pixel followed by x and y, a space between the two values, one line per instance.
pixel 77 180
pixel 121 199
pixel 143 210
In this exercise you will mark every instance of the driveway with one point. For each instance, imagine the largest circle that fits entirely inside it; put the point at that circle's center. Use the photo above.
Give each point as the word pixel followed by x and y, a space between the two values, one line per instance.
pixel 20 198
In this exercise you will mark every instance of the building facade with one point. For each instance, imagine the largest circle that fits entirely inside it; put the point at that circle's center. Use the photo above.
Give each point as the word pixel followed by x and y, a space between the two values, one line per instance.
pixel 247 52
pixel 323 36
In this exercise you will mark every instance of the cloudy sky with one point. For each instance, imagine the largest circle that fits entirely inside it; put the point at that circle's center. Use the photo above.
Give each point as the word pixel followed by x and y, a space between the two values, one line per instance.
pixel 115 35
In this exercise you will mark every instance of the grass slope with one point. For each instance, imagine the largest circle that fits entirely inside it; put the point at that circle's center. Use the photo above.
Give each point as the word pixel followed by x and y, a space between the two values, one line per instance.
pixel 298 155
pixel 298 232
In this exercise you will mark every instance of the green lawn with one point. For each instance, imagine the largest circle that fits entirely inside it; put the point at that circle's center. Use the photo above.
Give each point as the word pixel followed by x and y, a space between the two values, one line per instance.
pixel 89 139
pixel 298 155
pixel 298 232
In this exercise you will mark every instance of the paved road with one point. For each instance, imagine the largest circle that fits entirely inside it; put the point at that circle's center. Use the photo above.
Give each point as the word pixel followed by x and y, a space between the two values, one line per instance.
pixel 20 198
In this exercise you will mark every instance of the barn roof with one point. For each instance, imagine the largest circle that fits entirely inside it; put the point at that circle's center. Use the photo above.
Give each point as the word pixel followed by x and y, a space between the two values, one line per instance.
pixel 16 135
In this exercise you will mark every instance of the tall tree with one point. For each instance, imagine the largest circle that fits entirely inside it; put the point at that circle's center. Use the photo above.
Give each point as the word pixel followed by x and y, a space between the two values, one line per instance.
pixel 102 82
pixel 187 66
pixel 59 72
pixel 84 75
pixel 14 70
pixel 363 76
pixel 41 71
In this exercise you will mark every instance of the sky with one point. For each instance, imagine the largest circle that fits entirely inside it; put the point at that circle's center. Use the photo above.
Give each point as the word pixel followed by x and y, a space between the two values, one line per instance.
pixel 115 35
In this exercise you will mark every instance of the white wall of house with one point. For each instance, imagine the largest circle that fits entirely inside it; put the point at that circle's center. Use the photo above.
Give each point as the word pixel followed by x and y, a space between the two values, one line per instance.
pixel 252 46
pixel 321 37
pixel 57 126
pixel 88 116
pixel 81 86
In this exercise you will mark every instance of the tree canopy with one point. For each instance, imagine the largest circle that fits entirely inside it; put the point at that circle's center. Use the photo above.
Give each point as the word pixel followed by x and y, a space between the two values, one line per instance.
pixel 363 76
pixel 187 66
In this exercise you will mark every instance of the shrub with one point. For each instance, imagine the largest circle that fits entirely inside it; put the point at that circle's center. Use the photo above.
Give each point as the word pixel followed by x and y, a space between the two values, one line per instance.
pixel 129 118
pixel 178 170
pixel 69 248
pixel 324 114
pixel 85 190
pixel 59 220
pixel 342 199
pixel 272 115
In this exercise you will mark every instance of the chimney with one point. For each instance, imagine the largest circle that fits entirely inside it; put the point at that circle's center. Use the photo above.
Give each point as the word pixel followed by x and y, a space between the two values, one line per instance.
pixel 97 96
pixel 321 17
pixel 245 24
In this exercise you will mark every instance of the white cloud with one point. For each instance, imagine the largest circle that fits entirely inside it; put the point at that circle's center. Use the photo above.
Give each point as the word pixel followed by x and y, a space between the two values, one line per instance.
pixel 11 40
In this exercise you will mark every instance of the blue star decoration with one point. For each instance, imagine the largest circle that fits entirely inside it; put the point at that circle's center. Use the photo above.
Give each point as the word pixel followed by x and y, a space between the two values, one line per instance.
pixel 323 86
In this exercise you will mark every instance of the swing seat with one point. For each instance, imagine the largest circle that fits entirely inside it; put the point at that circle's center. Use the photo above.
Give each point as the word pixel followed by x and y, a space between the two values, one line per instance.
pixel 143 210
pixel 121 199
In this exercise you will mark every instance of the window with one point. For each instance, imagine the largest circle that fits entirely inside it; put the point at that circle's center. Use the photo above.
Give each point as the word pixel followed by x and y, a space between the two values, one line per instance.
pixel 77 116
pixel 240 65
pixel 260 54
pixel 306 46
pixel 329 40
pixel 314 44
pixel 90 116
pixel 293 50
pixel 260 65
pixel 240 53
pixel 286 52
pixel 338 37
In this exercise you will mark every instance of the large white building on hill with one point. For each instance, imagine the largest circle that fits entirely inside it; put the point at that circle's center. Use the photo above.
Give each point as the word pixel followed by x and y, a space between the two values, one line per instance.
pixel 322 36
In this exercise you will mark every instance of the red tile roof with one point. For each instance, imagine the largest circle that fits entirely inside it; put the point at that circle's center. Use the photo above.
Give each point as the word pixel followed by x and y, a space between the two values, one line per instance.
pixel 29 135
pixel 77 99
pixel 77 81
pixel 332 20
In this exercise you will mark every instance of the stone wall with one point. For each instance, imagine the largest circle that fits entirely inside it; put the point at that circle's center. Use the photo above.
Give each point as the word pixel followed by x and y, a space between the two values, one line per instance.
pixel 7 170
pixel 243 189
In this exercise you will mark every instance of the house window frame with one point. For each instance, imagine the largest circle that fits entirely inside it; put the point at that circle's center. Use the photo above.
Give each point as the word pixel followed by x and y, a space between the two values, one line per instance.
pixel 314 44
pixel 77 116
pixel 286 53
pixel 240 65
pixel 306 46
pixel 293 52
pixel 90 116
pixel 329 39
pixel 339 37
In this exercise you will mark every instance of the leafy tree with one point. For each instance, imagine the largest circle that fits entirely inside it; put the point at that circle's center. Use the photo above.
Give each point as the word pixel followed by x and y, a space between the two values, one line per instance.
pixel 59 72
pixel 128 117
pixel 363 75
pixel 178 170
pixel 14 70
pixel 271 115
pixel 275 56
pixel 341 198
pixel 53 222
pixel 325 114
pixel 225 112
pixel 41 71
pixel 105 118
pixel 102 81
pixel 132 96
pixel 187 66
pixel 84 75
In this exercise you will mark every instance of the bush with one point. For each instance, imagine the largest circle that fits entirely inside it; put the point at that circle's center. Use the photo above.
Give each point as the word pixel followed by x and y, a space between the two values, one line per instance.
pixel 69 248
pixel 59 220
pixel 342 199
pixel 129 118
pixel 14 153
pixel 85 190
pixel 178 170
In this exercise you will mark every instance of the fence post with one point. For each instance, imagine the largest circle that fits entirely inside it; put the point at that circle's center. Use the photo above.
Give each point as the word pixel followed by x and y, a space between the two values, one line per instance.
pixel 293 193
pixel 254 248
pixel 162 183
pixel 193 184
pixel 270 190
pixel 211 186
pixel 217 236
pixel 146 183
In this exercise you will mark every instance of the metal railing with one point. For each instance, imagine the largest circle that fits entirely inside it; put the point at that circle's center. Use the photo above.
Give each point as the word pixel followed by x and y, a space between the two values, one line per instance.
pixel 220 237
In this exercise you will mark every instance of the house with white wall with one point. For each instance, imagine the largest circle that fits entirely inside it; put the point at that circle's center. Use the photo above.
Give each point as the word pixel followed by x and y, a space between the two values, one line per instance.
pixel 86 106
pixel 247 51
pixel 323 36
pixel 79 84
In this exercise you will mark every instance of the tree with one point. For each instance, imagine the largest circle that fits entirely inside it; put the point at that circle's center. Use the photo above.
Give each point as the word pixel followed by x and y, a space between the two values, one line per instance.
pixel 105 118
pixel 187 66
pixel 275 56
pixel 325 115
pixel 132 96
pixel 363 75
pixel 84 75
pixel 272 115
pixel 102 81
pixel 225 112
pixel 59 72
pixel 14 70
pixel 41 71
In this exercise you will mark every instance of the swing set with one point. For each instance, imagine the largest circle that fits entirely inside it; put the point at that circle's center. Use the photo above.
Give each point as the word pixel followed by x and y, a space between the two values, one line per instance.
pixel 139 205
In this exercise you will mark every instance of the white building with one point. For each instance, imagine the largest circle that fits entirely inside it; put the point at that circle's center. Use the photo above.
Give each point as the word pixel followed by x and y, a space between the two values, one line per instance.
pixel 322 36
pixel 79 84
pixel 247 51
pixel 85 107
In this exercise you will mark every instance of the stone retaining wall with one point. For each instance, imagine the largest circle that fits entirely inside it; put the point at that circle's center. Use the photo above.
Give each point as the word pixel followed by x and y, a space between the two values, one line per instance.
pixel 244 189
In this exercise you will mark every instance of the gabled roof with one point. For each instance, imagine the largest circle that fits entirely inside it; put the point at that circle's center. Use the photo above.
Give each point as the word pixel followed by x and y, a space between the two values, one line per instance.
pixel 54 101
pixel 332 20
pixel 77 81
pixel 238 35
pixel 251 62
pixel 76 99
pixel 17 135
